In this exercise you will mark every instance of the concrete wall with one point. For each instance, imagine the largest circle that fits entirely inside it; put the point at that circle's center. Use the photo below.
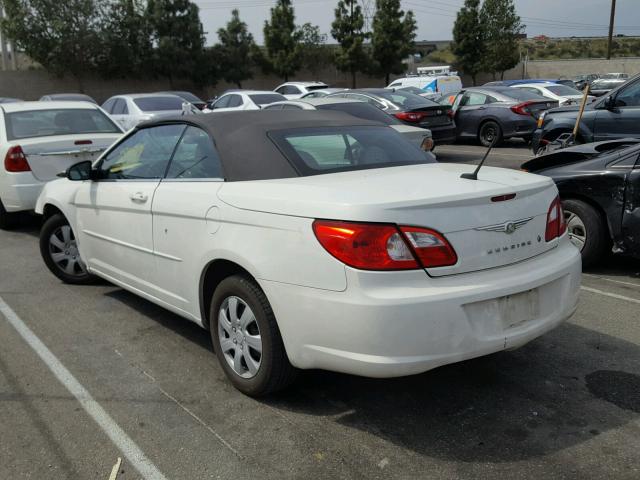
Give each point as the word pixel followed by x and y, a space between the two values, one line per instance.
pixel 32 84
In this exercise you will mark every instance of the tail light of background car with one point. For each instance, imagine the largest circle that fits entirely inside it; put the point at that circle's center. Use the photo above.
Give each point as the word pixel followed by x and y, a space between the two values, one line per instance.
pixel 556 223
pixel 522 108
pixel 371 246
pixel 412 117
pixel 15 160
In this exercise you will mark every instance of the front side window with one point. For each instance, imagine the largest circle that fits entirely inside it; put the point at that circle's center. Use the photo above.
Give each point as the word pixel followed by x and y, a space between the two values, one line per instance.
pixel 473 98
pixel 235 101
pixel 108 105
pixel 143 155
pixel 59 121
pixel 629 96
pixel 222 102
pixel 119 107
pixel 195 157
pixel 334 149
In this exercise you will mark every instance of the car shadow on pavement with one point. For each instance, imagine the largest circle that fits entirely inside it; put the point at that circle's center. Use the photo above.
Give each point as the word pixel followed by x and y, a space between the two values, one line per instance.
pixel 558 391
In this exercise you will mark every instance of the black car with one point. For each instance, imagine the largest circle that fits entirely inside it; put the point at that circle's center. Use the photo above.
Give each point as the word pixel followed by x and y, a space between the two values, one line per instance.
pixel 189 97
pixel 603 86
pixel 613 116
pixel 599 185
pixel 491 114
pixel 410 109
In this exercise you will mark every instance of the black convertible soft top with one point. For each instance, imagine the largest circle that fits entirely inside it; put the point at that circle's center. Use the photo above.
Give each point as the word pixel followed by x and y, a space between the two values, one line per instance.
pixel 242 138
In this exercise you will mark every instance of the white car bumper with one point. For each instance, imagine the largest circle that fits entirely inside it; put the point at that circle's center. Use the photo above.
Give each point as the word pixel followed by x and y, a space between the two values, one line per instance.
pixel 19 191
pixel 388 324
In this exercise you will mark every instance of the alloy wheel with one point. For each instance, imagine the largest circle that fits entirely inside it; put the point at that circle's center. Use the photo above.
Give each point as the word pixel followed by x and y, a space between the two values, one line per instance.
pixel 239 337
pixel 576 229
pixel 63 249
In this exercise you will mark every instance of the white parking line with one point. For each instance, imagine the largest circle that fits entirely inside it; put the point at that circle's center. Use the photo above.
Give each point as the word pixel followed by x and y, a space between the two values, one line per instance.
pixel 631 284
pixel 479 152
pixel 612 295
pixel 120 439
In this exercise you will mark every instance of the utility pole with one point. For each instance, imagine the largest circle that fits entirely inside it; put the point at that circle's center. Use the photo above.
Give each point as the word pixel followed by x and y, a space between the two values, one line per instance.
pixel 611 20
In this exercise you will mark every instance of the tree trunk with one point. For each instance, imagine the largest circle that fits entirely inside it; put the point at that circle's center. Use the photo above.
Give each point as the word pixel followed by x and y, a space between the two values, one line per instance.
pixel 353 79
pixel 286 77
pixel 473 79
pixel 239 85
pixel 386 79
pixel 501 75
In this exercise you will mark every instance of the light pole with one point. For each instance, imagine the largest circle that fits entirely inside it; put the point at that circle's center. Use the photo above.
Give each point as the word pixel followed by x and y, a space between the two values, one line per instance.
pixel 611 20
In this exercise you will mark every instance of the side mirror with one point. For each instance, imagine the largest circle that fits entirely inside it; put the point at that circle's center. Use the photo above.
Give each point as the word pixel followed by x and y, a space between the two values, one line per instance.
pixel 609 103
pixel 80 171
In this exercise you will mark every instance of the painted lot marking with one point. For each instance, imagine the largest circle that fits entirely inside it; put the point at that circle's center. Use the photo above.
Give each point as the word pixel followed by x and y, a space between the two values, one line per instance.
pixel 631 284
pixel 612 295
pixel 477 152
pixel 120 439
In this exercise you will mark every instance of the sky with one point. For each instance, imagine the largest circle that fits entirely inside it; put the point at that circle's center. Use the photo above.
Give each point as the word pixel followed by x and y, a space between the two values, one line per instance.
pixel 554 18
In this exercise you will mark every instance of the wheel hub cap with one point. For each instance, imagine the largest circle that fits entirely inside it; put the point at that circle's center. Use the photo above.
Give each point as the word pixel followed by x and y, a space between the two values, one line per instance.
pixel 239 337
pixel 576 229
pixel 63 249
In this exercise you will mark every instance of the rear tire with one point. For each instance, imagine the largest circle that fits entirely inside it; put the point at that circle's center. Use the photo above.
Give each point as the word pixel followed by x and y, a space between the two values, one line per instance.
pixel 587 230
pixel 7 220
pixel 59 250
pixel 246 338
pixel 489 134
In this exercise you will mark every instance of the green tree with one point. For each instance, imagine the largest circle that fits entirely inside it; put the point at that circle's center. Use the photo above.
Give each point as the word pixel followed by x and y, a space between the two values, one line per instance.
pixel 126 38
pixel 62 37
pixel 179 40
pixel 282 41
pixel 347 29
pixel 315 54
pixel 236 51
pixel 392 37
pixel 468 39
pixel 503 27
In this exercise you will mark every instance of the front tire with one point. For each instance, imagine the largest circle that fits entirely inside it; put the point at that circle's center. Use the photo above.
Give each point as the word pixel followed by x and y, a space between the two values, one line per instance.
pixel 59 250
pixel 7 220
pixel 586 229
pixel 246 338
pixel 490 134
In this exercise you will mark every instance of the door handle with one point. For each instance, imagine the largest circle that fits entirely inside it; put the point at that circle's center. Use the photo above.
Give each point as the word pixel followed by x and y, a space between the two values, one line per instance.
pixel 138 197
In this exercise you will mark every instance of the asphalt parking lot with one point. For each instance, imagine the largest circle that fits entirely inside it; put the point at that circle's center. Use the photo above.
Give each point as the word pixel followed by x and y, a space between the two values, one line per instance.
pixel 566 405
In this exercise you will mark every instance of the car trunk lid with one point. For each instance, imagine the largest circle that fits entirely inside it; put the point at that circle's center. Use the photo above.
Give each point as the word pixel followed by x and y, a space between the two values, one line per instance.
pixel 486 229
pixel 48 156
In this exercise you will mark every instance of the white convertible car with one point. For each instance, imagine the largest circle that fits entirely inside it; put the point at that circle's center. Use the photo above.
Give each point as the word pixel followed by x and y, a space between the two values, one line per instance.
pixel 316 240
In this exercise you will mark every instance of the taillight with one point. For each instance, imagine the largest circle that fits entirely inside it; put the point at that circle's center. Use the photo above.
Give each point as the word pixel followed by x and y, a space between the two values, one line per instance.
pixel 370 246
pixel 427 144
pixel 451 113
pixel 410 116
pixel 522 108
pixel 556 223
pixel 431 248
pixel 15 160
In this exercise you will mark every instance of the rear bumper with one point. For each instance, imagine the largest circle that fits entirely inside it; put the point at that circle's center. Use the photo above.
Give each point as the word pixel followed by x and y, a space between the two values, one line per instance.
pixel 388 324
pixel 19 191
pixel 444 134
pixel 519 127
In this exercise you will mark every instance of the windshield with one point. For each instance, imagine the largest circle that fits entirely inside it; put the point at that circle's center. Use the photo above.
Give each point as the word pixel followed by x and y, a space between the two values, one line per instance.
pixel 562 90
pixel 265 98
pixel 316 87
pixel 362 110
pixel 406 99
pixel 521 94
pixel 157 104
pixel 315 151
pixel 44 123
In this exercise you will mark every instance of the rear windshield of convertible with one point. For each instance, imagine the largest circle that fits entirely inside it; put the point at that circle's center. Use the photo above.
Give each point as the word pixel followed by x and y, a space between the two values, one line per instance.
pixel 314 151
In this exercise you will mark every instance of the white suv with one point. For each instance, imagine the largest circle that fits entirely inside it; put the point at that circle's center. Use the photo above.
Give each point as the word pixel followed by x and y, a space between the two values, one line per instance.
pixel 293 90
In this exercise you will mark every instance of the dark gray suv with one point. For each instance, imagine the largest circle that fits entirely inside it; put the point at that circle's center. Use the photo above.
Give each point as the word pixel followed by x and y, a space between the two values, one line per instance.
pixel 613 116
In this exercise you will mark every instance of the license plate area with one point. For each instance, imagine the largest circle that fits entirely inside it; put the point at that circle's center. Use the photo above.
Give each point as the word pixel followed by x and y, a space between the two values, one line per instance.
pixel 519 308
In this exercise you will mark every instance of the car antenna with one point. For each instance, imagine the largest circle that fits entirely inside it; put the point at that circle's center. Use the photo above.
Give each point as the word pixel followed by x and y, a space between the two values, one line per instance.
pixel 474 175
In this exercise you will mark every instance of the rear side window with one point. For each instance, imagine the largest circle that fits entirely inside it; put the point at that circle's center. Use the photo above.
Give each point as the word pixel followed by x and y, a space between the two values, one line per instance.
pixel 521 94
pixel 315 151
pixel 158 104
pixel 44 123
